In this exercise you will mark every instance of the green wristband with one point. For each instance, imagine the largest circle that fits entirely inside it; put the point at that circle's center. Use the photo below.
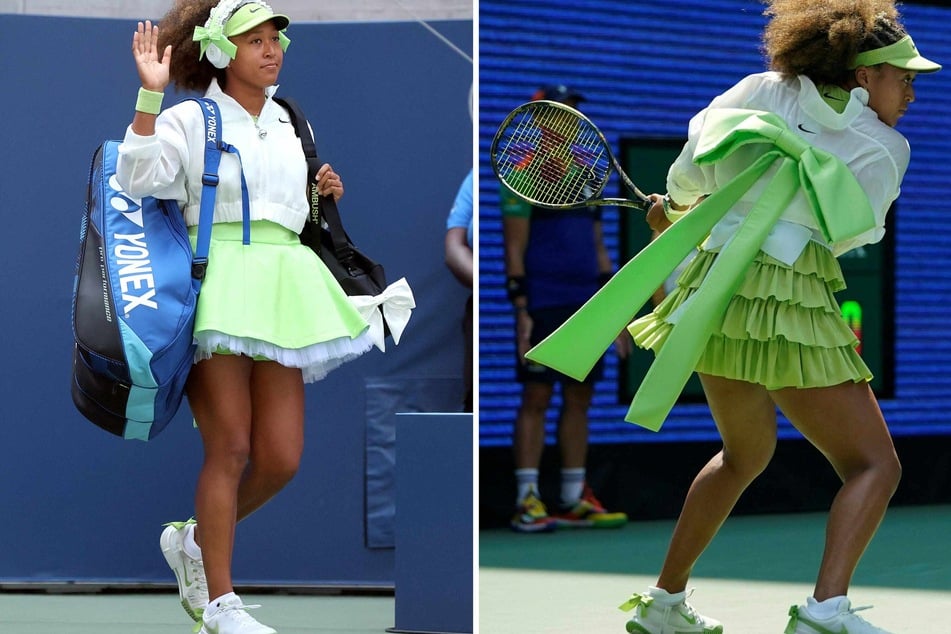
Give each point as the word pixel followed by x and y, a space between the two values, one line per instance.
pixel 149 101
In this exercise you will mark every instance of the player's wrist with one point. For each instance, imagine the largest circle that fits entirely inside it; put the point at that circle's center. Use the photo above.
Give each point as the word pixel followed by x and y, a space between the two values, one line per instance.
pixel 672 210
pixel 515 288
pixel 149 101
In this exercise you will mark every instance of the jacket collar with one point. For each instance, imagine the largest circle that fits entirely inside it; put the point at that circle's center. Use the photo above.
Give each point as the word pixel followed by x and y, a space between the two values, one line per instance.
pixel 813 105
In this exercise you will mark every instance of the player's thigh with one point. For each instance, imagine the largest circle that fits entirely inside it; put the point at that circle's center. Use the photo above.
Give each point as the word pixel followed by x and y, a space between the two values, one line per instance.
pixel 277 395
pixel 219 398
pixel 843 421
pixel 745 416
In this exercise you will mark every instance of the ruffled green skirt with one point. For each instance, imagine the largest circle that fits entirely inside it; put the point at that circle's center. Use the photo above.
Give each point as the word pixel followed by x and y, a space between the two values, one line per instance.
pixel 782 328
pixel 274 299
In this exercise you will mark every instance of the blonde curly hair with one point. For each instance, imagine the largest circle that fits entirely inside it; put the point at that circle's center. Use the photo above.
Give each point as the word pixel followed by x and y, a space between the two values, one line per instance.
pixel 176 28
pixel 820 38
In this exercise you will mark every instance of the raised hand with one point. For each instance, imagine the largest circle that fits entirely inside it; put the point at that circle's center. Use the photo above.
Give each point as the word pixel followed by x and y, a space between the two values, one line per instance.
pixel 153 72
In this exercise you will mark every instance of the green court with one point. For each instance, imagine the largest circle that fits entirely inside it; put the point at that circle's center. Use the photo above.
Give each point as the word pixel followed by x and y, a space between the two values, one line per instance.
pixel 755 569
pixel 160 613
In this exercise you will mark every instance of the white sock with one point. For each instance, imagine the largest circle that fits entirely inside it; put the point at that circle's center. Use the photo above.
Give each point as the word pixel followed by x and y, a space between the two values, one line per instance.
pixel 662 596
pixel 527 480
pixel 212 608
pixel 825 609
pixel 189 544
pixel 572 484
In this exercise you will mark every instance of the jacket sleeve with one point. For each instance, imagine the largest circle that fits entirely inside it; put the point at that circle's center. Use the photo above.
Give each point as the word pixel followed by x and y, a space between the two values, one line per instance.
pixel 686 181
pixel 155 165
pixel 880 176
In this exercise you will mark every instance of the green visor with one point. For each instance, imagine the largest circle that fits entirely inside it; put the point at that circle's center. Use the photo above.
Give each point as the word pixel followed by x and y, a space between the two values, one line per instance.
pixel 902 54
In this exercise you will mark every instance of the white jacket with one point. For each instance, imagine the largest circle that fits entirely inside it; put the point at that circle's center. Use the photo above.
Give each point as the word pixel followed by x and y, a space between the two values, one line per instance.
pixel 169 164
pixel 875 153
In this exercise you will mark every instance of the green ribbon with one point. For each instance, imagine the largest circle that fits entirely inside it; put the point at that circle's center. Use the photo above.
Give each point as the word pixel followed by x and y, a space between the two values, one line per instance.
pixel 636 600
pixel 180 525
pixel 836 198
pixel 214 33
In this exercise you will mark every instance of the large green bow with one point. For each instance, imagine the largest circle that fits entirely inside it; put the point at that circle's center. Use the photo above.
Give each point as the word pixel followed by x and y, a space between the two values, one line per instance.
pixel 833 193
pixel 214 34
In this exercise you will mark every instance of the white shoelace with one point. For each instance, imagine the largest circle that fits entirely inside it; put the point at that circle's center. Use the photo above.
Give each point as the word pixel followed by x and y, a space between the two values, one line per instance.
pixel 239 612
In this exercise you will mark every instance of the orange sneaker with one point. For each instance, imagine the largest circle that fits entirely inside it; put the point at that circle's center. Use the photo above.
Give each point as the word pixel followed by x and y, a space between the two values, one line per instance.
pixel 531 516
pixel 588 512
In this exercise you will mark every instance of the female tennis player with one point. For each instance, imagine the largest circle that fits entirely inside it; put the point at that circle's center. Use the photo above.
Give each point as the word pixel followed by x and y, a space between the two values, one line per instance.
pixel 841 78
pixel 256 346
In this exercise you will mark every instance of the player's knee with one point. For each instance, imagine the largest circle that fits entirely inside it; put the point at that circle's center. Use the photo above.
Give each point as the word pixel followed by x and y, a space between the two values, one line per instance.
pixel 751 461
pixel 891 471
pixel 277 470
pixel 229 456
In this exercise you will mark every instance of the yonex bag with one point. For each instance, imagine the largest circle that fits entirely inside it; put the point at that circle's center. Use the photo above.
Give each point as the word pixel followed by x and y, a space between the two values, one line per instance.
pixel 134 295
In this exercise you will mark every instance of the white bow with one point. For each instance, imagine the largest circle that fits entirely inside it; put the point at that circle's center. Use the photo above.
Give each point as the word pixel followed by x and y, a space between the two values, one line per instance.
pixel 394 304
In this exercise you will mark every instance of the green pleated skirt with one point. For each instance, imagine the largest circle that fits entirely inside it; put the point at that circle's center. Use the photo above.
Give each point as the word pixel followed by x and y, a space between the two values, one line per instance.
pixel 782 328
pixel 274 299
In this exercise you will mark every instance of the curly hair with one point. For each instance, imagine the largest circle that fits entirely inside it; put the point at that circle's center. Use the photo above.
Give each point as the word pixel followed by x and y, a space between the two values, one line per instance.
pixel 176 28
pixel 820 38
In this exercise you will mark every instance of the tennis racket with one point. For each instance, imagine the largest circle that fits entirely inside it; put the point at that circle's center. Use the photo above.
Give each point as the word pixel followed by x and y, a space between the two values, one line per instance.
pixel 552 156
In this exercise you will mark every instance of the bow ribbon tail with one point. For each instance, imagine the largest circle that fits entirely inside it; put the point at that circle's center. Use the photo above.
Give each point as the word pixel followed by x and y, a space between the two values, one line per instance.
pixel 636 600
pixel 577 344
pixel 830 189
pixel 395 303
pixel 398 303
pixel 704 310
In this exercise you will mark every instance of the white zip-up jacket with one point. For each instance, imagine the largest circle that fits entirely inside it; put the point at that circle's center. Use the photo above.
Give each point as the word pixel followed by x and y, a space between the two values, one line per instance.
pixel 875 153
pixel 169 164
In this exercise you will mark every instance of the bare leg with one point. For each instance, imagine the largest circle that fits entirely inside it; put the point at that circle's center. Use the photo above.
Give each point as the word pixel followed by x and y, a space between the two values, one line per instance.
pixel 277 434
pixel 845 423
pixel 573 426
pixel 251 417
pixel 530 425
pixel 220 400
pixel 746 419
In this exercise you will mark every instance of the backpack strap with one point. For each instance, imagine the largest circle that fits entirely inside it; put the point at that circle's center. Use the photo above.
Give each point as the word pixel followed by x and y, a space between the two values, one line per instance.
pixel 214 147
pixel 318 203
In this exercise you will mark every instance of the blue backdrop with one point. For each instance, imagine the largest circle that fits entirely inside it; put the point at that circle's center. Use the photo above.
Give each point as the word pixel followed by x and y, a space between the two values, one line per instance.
pixel 389 104
pixel 645 70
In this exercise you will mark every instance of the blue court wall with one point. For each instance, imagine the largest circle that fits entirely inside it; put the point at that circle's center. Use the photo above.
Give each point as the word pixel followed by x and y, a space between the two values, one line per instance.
pixel 645 69
pixel 389 104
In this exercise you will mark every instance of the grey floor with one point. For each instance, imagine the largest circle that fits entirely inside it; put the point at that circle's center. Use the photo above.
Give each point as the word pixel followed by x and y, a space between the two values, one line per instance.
pixel 756 568
pixel 157 613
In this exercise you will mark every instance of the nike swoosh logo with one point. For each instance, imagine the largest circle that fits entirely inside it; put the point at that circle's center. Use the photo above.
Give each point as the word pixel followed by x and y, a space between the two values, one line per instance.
pixel 832 97
pixel 805 130
pixel 283 121
pixel 255 10
pixel 822 630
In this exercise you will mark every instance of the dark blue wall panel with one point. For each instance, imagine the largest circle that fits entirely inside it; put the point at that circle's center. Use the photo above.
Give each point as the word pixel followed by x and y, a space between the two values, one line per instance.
pixel 389 103
pixel 646 67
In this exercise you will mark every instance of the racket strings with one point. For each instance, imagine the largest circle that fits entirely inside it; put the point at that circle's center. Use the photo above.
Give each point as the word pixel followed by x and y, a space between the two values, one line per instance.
pixel 551 156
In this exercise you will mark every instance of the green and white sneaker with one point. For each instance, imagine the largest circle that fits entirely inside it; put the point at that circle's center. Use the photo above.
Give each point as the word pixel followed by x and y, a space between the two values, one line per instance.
pixel 656 612
pixel 844 621
pixel 228 615
pixel 190 573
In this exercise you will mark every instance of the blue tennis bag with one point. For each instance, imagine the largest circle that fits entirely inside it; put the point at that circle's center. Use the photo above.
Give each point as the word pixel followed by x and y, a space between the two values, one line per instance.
pixel 134 296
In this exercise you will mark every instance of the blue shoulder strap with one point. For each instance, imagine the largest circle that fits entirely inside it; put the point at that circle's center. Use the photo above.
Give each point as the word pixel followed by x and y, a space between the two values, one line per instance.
pixel 214 146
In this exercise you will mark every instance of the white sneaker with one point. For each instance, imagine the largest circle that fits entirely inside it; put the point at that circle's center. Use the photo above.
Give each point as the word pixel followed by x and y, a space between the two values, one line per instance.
pixel 229 615
pixel 844 621
pixel 190 573
pixel 653 616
